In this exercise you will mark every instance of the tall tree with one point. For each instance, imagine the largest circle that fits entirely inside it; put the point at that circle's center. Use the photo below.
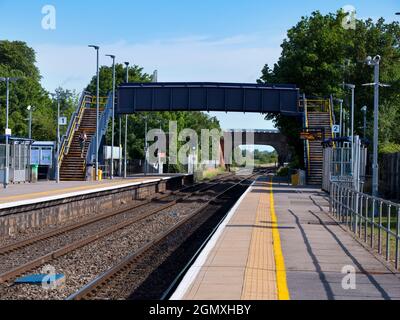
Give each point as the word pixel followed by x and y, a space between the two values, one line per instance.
pixel 18 60
pixel 319 54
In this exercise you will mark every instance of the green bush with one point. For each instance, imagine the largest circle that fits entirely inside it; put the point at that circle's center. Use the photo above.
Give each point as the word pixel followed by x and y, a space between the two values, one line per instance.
pixel 283 172
pixel 389 147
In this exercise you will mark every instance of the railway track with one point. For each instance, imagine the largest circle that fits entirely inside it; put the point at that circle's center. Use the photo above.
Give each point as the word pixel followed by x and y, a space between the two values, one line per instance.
pixel 97 288
pixel 157 206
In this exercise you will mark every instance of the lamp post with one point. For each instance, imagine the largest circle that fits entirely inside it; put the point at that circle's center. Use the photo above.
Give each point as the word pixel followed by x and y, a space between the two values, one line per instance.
pixel 29 108
pixel 344 123
pixel 352 88
pixel 56 96
pixel 97 48
pixel 145 118
pixel 154 77
pixel 126 126
pixel 113 117
pixel 160 164
pixel 340 101
pixel 120 147
pixel 364 111
pixel 58 140
pixel 375 62
pixel 7 133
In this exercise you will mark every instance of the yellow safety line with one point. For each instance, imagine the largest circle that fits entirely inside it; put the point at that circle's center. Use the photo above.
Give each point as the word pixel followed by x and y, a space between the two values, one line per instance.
pixel 283 291
pixel 62 191
pixel 260 276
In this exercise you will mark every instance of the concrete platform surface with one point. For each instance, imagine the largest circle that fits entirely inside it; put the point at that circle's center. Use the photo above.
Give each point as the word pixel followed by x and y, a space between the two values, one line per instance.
pixel 42 191
pixel 284 245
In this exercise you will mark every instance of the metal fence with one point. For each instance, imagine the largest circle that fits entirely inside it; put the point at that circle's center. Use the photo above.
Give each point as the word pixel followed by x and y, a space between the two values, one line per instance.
pixel 337 165
pixel 389 176
pixel 2 156
pixel 19 166
pixel 376 221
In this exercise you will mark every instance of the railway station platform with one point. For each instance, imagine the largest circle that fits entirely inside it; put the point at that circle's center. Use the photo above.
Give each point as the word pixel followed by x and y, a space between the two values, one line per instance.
pixel 47 204
pixel 279 243
pixel 17 194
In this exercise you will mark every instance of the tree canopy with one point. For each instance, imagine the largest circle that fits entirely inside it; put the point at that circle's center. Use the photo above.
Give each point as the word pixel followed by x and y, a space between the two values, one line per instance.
pixel 319 55
pixel 18 60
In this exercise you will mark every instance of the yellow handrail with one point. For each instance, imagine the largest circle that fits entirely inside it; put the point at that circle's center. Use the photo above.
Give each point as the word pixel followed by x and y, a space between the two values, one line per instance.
pixel 319 105
pixel 102 101
pixel 308 143
pixel 77 120
pixel 331 117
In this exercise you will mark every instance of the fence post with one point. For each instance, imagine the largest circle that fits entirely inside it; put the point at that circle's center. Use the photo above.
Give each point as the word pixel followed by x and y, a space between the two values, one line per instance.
pixel 392 176
pixel 398 176
pixel 397 239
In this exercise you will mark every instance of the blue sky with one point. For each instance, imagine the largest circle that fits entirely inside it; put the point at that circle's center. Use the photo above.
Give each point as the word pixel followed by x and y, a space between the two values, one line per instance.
pixel 207 40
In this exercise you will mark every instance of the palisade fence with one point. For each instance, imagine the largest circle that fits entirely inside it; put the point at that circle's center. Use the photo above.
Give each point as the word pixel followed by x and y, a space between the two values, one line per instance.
pixel 19 162
pixel 374 220
pixel 337 164
pixel 389 176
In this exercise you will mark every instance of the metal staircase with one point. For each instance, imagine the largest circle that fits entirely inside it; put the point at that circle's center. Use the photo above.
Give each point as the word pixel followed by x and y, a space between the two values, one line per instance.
pixel 72 164
pixel 104 119
pixel 318 117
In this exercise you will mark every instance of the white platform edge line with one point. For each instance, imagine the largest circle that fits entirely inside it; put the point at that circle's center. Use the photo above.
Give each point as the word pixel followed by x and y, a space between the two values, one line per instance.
pixel 194 270
pixel 77 193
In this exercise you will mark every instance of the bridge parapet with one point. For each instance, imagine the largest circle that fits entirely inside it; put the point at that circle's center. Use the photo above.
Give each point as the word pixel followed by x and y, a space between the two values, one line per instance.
pixel 272 131
pixel 266 137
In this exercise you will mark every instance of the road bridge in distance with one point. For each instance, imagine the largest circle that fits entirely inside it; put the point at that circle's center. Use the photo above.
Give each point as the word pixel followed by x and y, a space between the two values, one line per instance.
pixel 264 137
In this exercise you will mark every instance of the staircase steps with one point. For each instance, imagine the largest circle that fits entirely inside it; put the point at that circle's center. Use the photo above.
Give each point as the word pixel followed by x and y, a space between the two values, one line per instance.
pixel 73 165
pixel 317 120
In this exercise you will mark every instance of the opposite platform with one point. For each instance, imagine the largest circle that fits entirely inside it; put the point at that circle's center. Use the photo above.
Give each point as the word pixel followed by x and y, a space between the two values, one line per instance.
pixel 284 245
pixel 21 194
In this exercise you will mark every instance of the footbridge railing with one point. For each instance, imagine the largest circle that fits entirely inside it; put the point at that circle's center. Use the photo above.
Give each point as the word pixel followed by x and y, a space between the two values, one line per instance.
pixel 103 125
pixel 74 122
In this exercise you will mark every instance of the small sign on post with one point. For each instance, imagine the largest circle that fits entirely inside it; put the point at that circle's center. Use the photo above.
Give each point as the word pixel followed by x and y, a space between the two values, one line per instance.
pixel 62 121
pixel 8 132
pixel 336 128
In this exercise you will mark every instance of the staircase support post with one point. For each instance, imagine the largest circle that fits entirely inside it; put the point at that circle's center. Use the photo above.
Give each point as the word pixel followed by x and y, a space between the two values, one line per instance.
pixel 58 141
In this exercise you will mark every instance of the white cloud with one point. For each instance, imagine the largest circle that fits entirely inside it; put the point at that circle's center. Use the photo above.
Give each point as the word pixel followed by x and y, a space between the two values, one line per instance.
pixel 238 58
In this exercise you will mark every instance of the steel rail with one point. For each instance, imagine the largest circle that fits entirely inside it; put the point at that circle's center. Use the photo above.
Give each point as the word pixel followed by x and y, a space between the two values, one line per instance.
pixel 50 234
pixel 173 285
pixel 20 270
pixel 131 259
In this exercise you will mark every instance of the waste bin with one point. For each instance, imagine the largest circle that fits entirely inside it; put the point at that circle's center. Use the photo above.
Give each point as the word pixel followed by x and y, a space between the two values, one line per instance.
pixel 99 175
pixel 295 179
pixel 299 179
pixel 34 173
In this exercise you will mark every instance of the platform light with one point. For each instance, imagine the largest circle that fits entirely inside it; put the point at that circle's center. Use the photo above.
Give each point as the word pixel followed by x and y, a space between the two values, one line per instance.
pixel 375 62
pixel 7 80
pixel 364 111
pixel 126 126
pixel 97 48
pixel 352 87
pixel 113 116
pixel 30 109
